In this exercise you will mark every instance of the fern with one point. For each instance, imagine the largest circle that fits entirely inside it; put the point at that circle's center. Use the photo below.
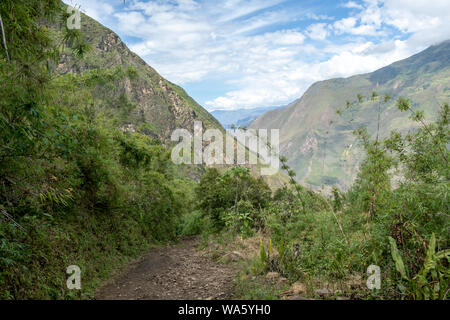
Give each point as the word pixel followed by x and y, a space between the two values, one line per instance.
pixel 421 286
pixel 399 265
pixel 425 289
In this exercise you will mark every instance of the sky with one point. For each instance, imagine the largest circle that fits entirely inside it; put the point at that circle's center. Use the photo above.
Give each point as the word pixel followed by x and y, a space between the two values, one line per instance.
pixel 234 54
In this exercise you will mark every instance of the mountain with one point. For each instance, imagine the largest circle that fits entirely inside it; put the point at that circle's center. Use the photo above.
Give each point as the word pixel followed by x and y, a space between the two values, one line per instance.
pixel 144 100
pixel 320 144
pixel 154 103
pixel 240 117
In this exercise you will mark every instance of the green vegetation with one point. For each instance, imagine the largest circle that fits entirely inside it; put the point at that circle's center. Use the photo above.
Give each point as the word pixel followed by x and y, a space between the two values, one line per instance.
pixel 234 199
pixel 150 102
pixel 320 144
pixel 75 190
pixel 394 216
pixel 86 179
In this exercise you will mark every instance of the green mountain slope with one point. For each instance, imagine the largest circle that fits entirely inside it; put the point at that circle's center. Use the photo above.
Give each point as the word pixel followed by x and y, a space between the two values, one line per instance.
pixel 154 102
pixel 320 144
pixel 143 100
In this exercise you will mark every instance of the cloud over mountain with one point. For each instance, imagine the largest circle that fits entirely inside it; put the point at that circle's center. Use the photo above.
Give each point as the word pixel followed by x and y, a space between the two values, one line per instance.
pixel 262 53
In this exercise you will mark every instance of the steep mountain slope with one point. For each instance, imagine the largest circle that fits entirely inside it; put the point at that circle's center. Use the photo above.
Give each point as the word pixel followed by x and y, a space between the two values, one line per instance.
pixel 320 144
pixel 156 103
pixel 144 101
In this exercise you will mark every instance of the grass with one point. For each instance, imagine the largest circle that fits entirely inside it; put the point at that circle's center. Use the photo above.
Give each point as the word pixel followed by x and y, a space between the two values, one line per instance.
pixel 248 287
pixel 98 245
pixel 326 260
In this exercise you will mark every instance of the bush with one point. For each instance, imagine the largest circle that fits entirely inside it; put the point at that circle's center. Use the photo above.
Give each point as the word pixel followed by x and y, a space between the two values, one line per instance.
pixel 221 196
pixel 74 189
pixel 193 224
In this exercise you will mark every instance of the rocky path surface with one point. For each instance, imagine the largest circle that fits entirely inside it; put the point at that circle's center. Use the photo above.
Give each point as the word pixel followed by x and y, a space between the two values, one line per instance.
pixel 172 273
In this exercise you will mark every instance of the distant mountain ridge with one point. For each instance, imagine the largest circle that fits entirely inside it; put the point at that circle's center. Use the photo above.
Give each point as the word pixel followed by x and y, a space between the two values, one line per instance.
pixel 320 145
pixel 239 117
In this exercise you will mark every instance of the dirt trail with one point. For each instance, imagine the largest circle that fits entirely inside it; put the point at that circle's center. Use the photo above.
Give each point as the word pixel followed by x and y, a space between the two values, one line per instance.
pixel 172 273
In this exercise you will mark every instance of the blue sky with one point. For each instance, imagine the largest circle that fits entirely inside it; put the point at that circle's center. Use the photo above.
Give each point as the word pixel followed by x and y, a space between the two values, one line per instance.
pixel 231 54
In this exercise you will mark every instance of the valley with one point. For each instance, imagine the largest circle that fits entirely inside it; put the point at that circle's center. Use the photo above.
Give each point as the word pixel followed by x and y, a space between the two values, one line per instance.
pixel 356 208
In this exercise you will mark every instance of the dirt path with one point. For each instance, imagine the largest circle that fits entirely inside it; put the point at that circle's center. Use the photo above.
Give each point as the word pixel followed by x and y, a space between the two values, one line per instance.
pixel 172 273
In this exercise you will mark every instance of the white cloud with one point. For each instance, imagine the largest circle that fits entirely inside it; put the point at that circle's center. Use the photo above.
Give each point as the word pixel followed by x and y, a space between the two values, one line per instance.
pixel 427 21
pixel 367 24
pixel 286 85
pixel 192 41
pixel 95 9
pixel 345 25
pixel 187 45
pixel 318 31
pixel 352 5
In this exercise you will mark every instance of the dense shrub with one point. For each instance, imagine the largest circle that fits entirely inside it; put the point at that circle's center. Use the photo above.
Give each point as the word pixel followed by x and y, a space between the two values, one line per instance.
pixel 235 197
pixel 74 189
pixel 410 223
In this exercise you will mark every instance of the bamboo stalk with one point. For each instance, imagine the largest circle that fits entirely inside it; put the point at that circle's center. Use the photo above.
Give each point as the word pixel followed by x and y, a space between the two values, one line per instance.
pixel 4 38
pixel 340 227
pixel 8 217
